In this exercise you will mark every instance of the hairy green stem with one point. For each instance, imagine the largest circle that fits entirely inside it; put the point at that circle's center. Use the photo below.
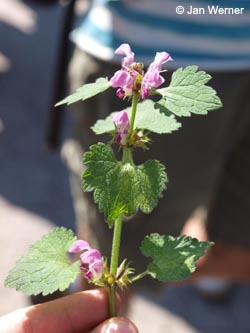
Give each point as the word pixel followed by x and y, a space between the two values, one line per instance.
pixel 133 113
pixel 116 245
pixel 127 156
pixel 114 263
pixel 112 302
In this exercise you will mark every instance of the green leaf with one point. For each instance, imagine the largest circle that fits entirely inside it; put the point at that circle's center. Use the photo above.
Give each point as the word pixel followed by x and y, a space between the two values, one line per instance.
pixel 147 117
pixel 86 91
pixel 104 125
pixel 121 188
pixel 150 118
pixel 173 258
pixel 188 93
pixel 46 267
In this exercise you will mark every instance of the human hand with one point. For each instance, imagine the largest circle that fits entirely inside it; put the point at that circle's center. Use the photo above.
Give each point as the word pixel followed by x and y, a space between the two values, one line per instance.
pixel 84 312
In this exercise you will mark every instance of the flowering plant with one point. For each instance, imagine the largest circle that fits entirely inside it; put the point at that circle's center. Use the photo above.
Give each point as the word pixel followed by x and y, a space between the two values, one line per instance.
pixel 121 188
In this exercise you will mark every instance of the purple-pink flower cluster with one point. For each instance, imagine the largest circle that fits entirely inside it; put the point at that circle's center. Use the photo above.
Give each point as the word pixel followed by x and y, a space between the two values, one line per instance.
pixel 92 262
pixel 131 77
pixel 121 121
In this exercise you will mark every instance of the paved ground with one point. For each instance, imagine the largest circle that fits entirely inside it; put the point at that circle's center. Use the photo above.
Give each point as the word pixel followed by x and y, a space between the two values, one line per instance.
pixel 35 190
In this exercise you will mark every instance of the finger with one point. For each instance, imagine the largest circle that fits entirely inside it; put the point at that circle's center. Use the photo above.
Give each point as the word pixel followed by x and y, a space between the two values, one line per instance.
pixel 116 325
pixel 79 312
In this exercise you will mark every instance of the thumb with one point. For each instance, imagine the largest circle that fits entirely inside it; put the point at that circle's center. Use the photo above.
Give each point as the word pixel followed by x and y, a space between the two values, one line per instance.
pixel 116 325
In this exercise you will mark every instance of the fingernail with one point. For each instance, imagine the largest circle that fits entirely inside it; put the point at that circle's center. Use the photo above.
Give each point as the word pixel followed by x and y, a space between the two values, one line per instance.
pixel 119 325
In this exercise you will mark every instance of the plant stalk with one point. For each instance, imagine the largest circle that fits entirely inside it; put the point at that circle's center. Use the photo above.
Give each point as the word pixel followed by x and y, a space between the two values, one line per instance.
pixel 112 302
pixel 114 264
pixel 135 100
pixel 127 156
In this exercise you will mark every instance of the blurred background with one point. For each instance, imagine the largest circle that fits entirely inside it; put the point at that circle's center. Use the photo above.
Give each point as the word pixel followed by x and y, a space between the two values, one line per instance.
pixel 34 187
pixel 34 195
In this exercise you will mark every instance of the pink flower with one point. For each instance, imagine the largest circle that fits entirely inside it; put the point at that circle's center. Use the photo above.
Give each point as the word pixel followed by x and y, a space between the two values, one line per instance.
pixel 122 79
pixel 120 93
pixel 79 246
pixel 125 49
pixel 131 79
pixel 92 264
pixel 159 60
pixel 121 121
pixel 91 260
pixel 153 79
